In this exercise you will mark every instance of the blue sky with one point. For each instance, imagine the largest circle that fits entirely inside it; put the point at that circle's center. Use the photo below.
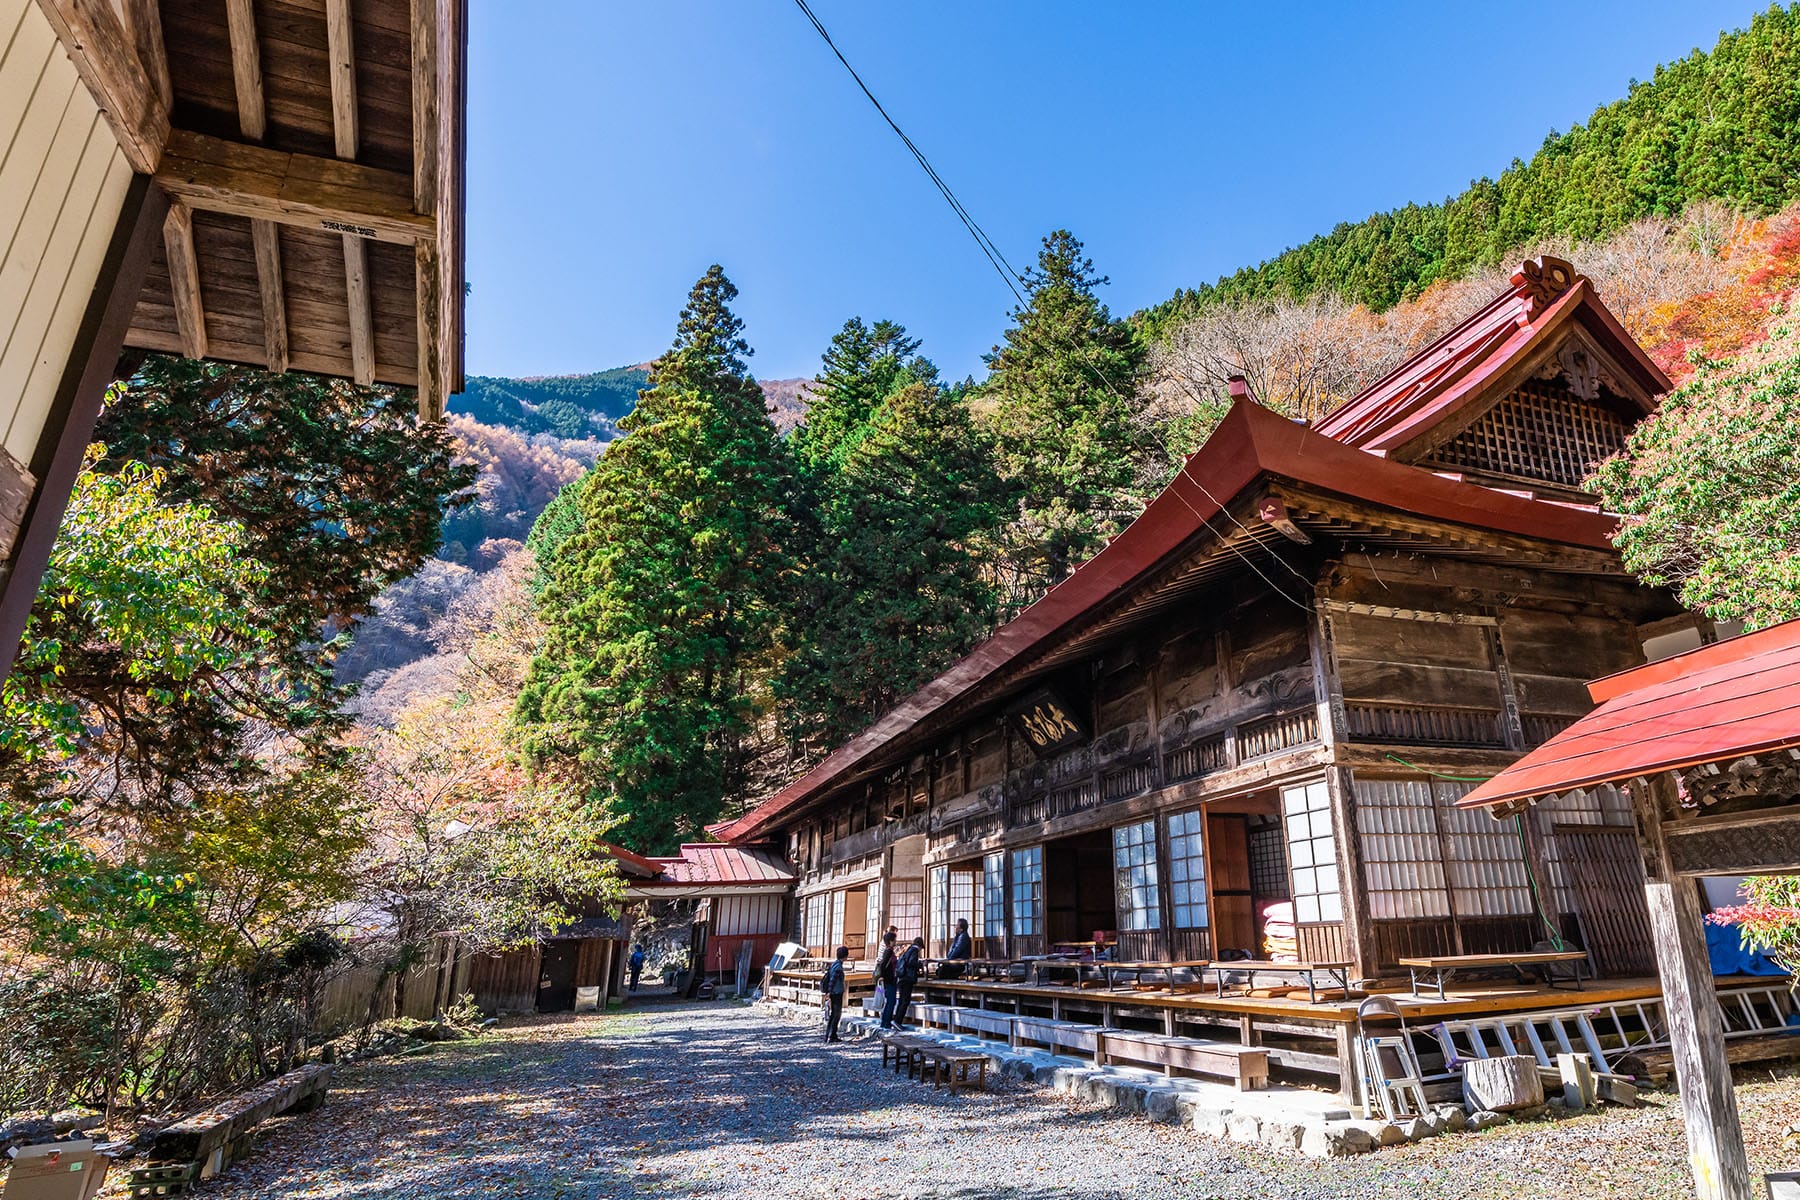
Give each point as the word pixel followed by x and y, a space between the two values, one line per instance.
pixel 617 148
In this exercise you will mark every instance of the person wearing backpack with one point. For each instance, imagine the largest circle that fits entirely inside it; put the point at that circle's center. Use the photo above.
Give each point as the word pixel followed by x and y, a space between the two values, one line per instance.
pixel 636 964
pixel 886 963
pixel 907 974
pixel 833 987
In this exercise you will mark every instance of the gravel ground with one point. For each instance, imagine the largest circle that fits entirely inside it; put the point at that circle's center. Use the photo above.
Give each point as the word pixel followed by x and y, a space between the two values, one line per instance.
pixel 720 1100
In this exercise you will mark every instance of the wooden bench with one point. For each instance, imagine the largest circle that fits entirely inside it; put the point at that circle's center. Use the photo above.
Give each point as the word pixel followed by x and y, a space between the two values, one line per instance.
pixel 948 1064
pixel 1055 1035
pixel 202 1145
pixel 1246 1066
pixel 1439 969
pixel 985 1022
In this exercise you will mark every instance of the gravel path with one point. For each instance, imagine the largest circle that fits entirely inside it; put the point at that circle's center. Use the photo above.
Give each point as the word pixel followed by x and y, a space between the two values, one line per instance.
pixel 721 1101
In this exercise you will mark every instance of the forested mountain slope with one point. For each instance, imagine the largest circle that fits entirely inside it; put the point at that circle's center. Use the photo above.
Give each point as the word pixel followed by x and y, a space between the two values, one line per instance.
pixel 1713 126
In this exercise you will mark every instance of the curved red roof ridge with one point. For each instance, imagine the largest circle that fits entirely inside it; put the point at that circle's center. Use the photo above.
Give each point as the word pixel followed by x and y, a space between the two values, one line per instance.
pixel 1440 381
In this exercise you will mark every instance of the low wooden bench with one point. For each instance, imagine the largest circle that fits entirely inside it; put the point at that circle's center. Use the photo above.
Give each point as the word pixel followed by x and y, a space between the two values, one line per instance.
pixel 1246 1066
pixel 200 1146
pixel 948 1064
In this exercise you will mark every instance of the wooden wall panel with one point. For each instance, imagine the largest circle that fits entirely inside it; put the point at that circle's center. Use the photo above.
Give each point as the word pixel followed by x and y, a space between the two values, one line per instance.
pixel 62 185
pixel 506 981
pixel 1322 943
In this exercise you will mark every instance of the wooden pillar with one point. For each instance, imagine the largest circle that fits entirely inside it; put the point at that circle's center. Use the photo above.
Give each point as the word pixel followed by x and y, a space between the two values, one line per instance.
pixel 606 971
pixel 1696 1031
pixel 1359 932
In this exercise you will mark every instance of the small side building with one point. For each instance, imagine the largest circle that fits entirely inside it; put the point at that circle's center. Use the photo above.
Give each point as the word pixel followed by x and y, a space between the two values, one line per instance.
pixel 741 903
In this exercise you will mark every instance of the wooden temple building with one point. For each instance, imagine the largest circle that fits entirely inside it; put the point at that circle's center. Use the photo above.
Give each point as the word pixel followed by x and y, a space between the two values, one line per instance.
pixel 271 182
pixel 1245 728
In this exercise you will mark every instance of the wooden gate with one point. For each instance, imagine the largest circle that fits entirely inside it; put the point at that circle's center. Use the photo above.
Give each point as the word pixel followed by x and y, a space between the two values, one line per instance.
pixel 1602 866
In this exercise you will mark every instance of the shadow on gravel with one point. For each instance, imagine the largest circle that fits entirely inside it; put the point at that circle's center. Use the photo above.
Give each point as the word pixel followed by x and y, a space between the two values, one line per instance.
pixel 619 1107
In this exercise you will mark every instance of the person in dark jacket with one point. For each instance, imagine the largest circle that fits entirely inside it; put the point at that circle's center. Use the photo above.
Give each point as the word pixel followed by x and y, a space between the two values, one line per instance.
pixel 961 951
pixel 833 987
pixel 885 963
pixel 637 964
pixel 907 973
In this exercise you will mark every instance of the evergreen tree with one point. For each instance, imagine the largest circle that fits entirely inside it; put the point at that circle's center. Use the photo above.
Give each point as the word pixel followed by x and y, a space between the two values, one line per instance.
pixel 897 591
pixel 660 604
pixel 1059 406
pixel 861 368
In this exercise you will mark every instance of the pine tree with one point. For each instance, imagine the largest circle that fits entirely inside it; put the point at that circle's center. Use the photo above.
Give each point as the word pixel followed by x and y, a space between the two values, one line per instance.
pixel 661 603
pixel 898 590
pixel 1059 406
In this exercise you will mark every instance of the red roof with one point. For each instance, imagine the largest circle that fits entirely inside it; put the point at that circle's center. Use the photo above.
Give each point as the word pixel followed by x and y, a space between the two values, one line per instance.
pixel 630 862
pixel 1714 704
pixel 713 862
pixel 1250 444
pixel 1452 374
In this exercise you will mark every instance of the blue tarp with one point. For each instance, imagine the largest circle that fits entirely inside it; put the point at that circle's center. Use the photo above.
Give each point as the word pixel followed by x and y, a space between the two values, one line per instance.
pixel 1725 947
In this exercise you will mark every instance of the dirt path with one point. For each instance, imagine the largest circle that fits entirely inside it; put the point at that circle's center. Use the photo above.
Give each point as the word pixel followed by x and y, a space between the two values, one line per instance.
pixel 721 1101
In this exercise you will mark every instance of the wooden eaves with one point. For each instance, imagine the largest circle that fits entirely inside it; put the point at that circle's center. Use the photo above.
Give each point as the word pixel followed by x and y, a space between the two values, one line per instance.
pixel 313 166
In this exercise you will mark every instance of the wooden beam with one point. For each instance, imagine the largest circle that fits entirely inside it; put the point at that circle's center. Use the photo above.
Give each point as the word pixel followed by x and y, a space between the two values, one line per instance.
pixel 362 318
pixel 292 189
pixel 89 371
pixel 143 19
pixel 95 39
pixel 426 281
pixel 341 53
pixel 425 104
pixel 184 279
pixel 246 68
pixel 266 236
pixel 1696 1032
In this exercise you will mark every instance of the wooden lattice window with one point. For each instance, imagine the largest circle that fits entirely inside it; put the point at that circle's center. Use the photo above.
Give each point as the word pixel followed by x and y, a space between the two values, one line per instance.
pixel 1541 433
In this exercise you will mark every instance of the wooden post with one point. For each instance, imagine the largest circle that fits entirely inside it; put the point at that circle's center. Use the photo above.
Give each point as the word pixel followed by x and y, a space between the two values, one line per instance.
pixel 606 971
pixel 1359 932
pixel 1696 1032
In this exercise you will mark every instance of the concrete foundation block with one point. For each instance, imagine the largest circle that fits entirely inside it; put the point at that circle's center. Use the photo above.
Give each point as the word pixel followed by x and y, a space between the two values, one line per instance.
pixel 1282 1135
pixel 1243 1127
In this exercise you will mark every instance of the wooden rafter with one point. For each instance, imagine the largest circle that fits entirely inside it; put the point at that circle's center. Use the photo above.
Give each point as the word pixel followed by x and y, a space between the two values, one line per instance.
pixel 143 20
pixel 425 104
pixel 108 64
pixel 362 315
pixel 266 236
pixel 292 189
pixel 184 279
pixel 246 68
pixel 436 31
pixel 341 51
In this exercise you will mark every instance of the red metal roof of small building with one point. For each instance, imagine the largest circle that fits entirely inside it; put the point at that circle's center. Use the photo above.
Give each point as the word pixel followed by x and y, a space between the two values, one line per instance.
pixel 715 862
pixel 1714 704
pixel 1447 377
pixel 1251 444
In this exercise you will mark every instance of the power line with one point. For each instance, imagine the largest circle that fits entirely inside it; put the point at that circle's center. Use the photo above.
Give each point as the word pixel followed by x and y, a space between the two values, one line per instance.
pixel 986 244
pixel 1010 276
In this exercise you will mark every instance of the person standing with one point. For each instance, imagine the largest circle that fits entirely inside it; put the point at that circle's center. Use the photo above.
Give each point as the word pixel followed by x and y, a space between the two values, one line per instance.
pixel 886 963
pixel 637 964
pixel 833 987
pixel 907 972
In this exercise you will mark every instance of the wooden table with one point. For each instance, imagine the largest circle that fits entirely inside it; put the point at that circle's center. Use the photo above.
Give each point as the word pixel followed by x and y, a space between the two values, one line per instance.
pixel 1041 965
pixel 1441 968
pixel 1112 971
pixel 1337 972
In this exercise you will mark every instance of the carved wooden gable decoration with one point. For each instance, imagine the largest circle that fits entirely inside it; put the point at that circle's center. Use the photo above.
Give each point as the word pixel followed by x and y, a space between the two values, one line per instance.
pixel 1531 392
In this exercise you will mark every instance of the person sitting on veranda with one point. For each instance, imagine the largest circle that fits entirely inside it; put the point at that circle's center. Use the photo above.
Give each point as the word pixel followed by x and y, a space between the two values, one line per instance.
pixel 961 951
